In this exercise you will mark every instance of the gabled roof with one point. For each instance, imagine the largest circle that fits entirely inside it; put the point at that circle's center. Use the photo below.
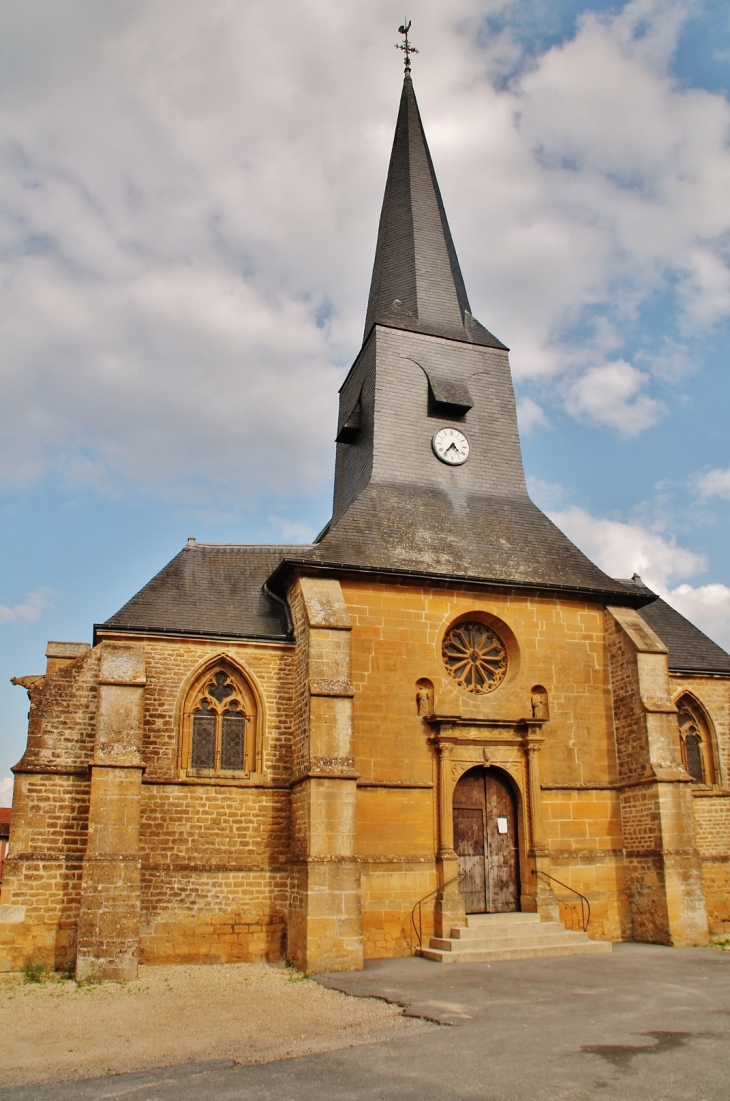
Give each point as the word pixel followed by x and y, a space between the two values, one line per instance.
pixel 417 282
pixel 690 650
pixel 210 590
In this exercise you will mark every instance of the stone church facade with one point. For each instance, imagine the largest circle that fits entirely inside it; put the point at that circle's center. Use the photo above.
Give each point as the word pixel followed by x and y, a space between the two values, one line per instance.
pixel 276 751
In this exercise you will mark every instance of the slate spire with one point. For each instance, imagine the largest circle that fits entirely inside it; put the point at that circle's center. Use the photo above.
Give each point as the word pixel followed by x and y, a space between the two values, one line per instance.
pixel 417 282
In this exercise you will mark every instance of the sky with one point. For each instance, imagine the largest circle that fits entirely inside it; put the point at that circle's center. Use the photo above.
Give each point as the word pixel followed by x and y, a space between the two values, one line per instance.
pixel 189 196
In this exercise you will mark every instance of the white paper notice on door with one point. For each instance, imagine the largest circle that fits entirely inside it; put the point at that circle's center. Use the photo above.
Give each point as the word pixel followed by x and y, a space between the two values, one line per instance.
pixel 501 825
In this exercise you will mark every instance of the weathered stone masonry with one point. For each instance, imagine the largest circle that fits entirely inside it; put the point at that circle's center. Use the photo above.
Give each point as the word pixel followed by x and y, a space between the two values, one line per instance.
pixel 258 757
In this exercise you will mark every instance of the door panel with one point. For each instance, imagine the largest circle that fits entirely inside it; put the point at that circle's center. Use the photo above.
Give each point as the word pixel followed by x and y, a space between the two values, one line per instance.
pixel 469 845
pixel 502 879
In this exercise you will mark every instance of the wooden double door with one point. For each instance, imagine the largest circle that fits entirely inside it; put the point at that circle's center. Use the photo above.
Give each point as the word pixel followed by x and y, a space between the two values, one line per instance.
pixel 485 839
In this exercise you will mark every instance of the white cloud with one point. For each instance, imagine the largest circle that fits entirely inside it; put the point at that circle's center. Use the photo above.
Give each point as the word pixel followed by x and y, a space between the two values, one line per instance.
pixel 611 394
pixel 189 225
pixel 708 606
pixel 529 415
pixel 6 792
pixel 623 549
pixel 547 495
pixel 715 483
pixel 35 604
pixel 293 531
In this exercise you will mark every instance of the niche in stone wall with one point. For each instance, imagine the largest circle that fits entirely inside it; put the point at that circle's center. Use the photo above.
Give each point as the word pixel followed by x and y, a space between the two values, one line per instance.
pixel 425 697
pixel 539 703
pixel 219 724
pixel 696 740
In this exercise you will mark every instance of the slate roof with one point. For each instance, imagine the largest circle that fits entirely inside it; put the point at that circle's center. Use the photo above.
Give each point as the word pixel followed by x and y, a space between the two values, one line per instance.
pixel 212 590
pixel 216 590
pixel 407 527
pixel 425 532
pixel 690 651
pixel 417 282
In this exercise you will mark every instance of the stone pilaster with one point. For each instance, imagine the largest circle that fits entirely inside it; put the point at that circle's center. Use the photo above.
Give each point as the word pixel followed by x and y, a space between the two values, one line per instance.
pixel 108 937
pixel 449 907
pixel 540 892
pixel 664 873
pixel 325 927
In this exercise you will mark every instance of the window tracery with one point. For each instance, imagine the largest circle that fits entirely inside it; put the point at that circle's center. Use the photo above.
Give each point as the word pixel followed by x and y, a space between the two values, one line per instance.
pixel 696 742
pixel 219 725
pixel 475 656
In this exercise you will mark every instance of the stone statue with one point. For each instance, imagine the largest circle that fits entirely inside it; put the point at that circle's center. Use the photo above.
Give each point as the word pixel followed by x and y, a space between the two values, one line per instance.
pixel 424 700
pixel 539 703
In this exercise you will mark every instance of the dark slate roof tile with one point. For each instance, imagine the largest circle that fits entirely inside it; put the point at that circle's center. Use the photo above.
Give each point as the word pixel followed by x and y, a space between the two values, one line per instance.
pixel 690 651
pixel 426 532
pixel 417 282
pixel 210 589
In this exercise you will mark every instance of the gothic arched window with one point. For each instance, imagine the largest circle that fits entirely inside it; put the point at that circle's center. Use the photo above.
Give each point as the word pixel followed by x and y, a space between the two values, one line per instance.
pixel 219 726
pixel 695 735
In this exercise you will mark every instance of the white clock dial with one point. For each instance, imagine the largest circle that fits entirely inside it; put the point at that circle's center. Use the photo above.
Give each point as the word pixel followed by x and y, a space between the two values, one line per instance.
pixel 451 446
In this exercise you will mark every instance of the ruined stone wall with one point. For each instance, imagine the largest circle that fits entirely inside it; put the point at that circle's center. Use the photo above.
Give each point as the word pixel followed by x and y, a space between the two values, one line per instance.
pixel 41 892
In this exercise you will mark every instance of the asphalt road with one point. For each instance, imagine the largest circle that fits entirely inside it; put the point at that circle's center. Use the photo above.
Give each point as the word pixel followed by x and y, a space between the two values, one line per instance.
pixel 645 1022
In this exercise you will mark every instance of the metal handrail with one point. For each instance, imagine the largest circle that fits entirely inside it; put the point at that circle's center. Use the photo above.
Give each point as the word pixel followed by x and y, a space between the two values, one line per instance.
pixel 583 899
pixel 417 906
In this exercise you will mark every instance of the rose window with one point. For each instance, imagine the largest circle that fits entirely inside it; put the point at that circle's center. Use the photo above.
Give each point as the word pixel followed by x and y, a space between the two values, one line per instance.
pixel 475 657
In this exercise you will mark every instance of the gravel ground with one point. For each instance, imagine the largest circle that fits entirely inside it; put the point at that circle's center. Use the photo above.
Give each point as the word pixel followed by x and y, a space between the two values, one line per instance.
pixel 56 1030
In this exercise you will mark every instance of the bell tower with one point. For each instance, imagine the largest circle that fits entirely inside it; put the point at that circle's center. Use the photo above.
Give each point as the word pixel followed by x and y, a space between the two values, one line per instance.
pixel 428 475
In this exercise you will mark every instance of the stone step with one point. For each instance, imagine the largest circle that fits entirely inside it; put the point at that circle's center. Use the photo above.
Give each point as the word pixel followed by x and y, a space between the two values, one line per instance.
pixel 515 936
pixel 505 929
pixel 526 952
pixel 539 939
pixel 479 921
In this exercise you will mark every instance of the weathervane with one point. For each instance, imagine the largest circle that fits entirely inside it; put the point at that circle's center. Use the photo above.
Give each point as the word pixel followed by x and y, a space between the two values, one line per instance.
pixel 405 46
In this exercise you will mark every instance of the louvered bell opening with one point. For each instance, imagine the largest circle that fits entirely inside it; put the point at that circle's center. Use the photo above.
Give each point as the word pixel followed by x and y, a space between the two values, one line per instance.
pixel 351 428
pixel 448 397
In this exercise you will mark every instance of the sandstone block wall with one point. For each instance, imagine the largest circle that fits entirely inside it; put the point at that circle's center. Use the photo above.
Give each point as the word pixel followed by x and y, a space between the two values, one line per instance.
pixel 319 854
pixel 712 805
pixel 396 642
pixel 663 869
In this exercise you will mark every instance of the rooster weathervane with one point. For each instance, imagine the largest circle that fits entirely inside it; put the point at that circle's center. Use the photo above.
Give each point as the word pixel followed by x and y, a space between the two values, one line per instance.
pixel 405 46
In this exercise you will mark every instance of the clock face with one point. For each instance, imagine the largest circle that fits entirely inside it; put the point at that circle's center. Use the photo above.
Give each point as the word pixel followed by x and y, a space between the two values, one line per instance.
pixel 451 446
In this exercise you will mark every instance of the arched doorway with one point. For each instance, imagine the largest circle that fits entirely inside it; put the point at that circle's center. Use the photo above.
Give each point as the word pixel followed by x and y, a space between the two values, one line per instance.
pixel 485 839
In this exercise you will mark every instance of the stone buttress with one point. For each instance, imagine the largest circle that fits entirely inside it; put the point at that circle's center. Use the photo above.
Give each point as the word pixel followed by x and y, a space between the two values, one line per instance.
pixel 325 925
pixel 663 869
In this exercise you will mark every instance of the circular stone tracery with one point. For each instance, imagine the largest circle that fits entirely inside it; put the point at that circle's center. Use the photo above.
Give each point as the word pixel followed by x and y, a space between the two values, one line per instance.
pixel 475 656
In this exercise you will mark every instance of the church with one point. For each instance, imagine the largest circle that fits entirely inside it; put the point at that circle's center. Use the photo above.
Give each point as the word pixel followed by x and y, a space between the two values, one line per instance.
pixel 437 715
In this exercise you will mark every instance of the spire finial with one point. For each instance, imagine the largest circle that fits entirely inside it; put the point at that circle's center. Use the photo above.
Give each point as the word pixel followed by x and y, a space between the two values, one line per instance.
pixel 405 46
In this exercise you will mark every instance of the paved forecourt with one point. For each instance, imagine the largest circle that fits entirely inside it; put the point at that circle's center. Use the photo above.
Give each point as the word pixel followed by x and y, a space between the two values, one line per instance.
pixel 644 1021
